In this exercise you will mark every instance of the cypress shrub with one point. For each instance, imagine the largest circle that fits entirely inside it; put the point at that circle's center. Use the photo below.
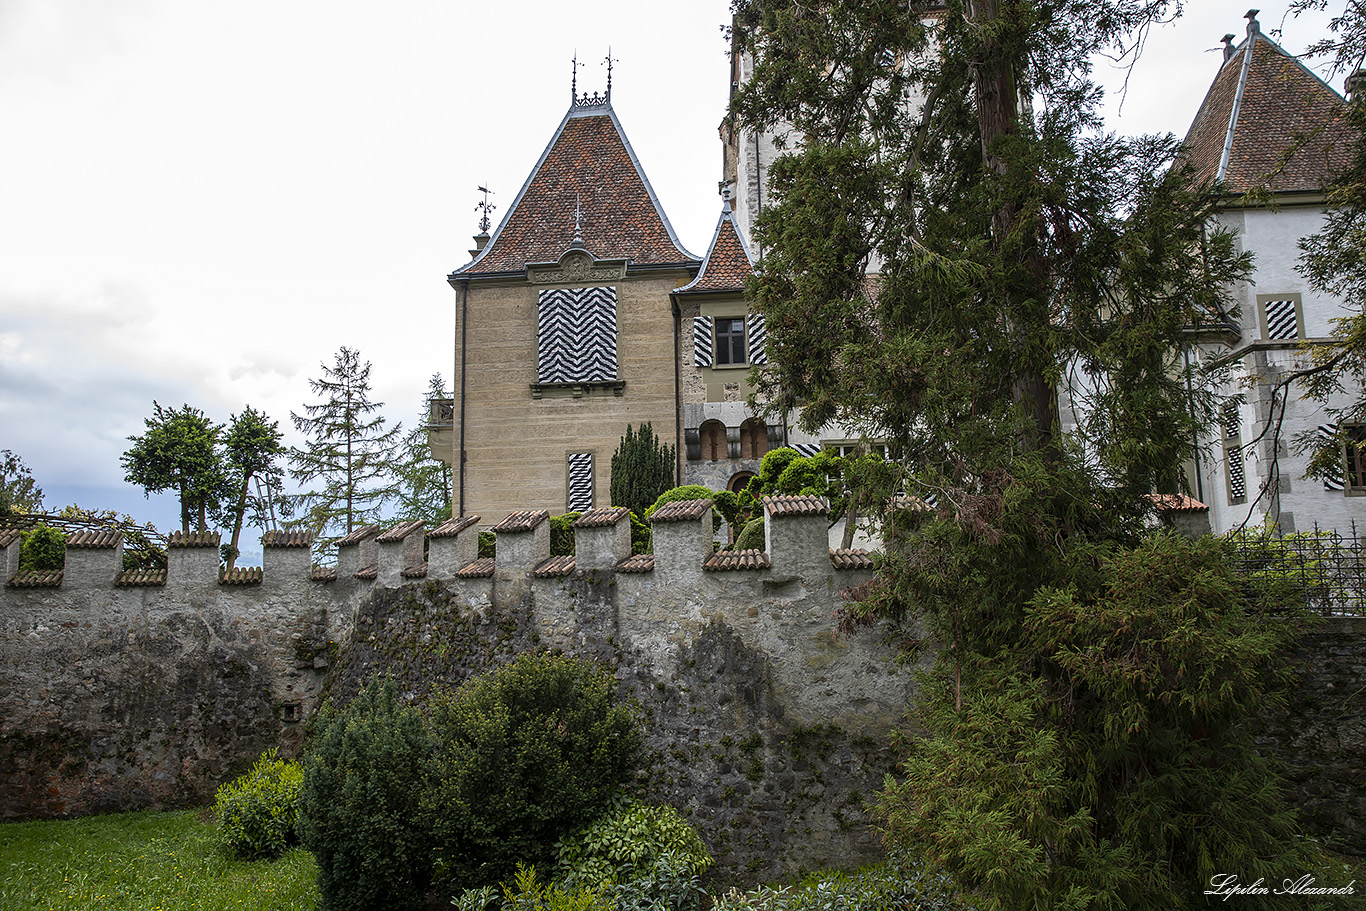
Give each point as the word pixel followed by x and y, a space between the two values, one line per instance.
pixel 642 469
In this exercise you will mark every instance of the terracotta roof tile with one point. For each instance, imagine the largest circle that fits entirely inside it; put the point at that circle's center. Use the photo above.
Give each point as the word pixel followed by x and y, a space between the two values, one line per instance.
pixel 522 521
pixel 681 511
pixel 452 527
pixel 416 571
pixel 555 566
pixel 323 574
pixel 727 560
pixel 287 539
pixel 400 531
pixel 140 578
pixel 588 163
pixel 359 535
pixel 850 559
pixel 95 539
pixel 1171 502
pixel 1278 102
pixel 602 517
pixel 783 507
pixel 479 569
pixel 727 263
pixel 370 572
pixel 193 539
pixel 30 578
pixel 241 575
pixel 638 563
pixel 8 536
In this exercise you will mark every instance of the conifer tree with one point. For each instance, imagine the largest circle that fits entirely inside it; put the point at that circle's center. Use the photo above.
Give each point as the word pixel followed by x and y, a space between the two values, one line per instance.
pixel 349 450
pixel 19 493
pixel 251 449
pixel 958 153
pixel 642 469
pixel 424 483
pixel 180 452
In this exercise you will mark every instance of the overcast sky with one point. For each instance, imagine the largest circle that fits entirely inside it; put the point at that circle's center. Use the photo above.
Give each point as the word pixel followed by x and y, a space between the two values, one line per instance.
pixel 200 202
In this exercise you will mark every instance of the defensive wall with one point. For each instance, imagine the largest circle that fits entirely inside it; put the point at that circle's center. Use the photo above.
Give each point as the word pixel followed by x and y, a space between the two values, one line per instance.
pixel 122 690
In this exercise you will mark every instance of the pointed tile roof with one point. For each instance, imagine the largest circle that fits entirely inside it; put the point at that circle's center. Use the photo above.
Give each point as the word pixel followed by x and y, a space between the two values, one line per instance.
pixel 728 262
pixel 1262 102
pixel 587 174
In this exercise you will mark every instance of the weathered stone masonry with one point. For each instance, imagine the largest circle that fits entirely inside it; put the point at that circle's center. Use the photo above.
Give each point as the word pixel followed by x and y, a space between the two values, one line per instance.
pixel 763 727
pixel 766 729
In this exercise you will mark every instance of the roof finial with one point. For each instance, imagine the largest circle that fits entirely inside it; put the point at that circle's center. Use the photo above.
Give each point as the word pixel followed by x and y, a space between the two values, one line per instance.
pixel 725 198
pixel 1228 46
pixel 1253 26
pixel 609 61
pixel 574 80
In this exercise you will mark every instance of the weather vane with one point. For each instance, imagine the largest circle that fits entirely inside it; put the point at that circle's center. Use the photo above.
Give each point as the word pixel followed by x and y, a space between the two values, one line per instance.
pixel 609 60
pixel 486 207
pixel 574 82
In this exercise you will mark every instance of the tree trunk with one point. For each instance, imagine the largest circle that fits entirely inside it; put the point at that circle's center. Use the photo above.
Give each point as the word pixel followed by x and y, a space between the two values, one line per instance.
pixel 237 523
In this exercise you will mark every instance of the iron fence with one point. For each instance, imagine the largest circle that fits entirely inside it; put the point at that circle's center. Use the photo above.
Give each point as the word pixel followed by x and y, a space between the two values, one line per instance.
pixel 1325 567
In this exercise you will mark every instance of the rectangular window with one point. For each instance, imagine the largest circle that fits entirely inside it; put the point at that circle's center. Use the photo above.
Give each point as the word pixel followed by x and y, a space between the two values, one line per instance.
pixel 580 473
pixel 730 340
pixel 1281 316
pixel 1356 457
pixel 577 335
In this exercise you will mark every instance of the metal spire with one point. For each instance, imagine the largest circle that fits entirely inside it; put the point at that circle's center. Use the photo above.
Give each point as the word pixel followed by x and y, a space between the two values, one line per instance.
pixel 609 61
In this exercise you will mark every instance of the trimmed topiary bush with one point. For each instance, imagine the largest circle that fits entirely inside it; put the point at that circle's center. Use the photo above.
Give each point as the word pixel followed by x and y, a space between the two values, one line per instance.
pixel 528 754
pixel 361 801
pixel 562 534
pixel 751 537
pixel 258 813
pixel 43 549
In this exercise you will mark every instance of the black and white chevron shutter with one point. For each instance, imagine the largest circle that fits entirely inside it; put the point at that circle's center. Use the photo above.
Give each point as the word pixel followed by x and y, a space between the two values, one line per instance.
pixel 701 341
pixel 758 339
pixel 1328 436
pixel 580 481
pixel 577 335
pixel 1280 320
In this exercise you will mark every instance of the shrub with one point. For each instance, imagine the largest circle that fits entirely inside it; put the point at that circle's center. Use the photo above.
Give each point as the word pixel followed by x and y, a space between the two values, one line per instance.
pixel 671 883
pixel 258 813
pixel 887 886
pixel 626 842
pixel 487 542
pixel 674 495
pixel 562 534
pixel 43 549
pixel 360 806
pixel 751 537
pixel 529 894
pixel 642 469
pixel 528 754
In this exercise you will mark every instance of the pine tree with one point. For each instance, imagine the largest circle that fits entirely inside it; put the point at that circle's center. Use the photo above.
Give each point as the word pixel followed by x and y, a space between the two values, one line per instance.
pixel 349 450
pixel 958 154
pixel 642 469
pixel 180 452
pixel 424 482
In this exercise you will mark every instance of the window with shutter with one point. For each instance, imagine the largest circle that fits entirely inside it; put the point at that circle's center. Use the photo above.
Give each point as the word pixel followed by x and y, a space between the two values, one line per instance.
pixel 577 335
pixel 580 467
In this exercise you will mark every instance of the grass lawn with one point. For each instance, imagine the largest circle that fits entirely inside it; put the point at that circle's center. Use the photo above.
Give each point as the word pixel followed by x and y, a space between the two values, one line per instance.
pixel 145 861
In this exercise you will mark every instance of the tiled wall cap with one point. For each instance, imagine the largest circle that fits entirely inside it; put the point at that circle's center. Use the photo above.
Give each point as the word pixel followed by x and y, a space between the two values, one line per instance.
pixel 8 536
pixel 479 569
pixel 602 517
pixel 1171 502
pixel 522 521
pixel 283 539
pixel 638 563
pixel 417 571
pixel 140 578
pixel 36 579
pixel 323 574
pixel 452 527
pixel 359 535
pixel 781 507
pixel 726 560
pixel 369 573
pixel 850 559
pixel 681 511
pixel 241 575
pixel 555 566
pixel 399 532
pixel 95 539
pixel 193 539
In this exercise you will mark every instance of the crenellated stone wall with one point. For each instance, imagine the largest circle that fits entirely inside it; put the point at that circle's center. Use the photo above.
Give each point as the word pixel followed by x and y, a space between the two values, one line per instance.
pixel 121 690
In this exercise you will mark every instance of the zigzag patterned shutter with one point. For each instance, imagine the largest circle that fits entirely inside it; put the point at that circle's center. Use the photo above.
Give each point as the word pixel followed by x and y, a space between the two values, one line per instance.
pixel 577 335
pixel 580 481
pixel 701 341
pixel 758 339
pixel 1281 322
pixel 807 449
pixel 1328 436
pixel 1233 453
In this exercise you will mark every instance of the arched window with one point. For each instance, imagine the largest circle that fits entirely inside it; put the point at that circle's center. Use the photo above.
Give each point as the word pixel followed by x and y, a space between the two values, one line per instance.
pixel 753 439
pixel 739 481
pixel 713 439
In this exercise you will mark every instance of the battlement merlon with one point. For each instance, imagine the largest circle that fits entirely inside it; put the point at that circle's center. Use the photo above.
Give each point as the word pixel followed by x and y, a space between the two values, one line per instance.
pixel 602 537
pixel 286 559
pixel 523 543
pixel 796 533
pixel 192 559
pixel 399 548
pixel 94 558
pixel 452 545
pixel 682 533
pixel 357 551
pixel 10 541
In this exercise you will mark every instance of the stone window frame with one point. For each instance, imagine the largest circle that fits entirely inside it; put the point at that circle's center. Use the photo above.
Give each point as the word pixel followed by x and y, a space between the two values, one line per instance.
pixel 726 341
pixel 1263 323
